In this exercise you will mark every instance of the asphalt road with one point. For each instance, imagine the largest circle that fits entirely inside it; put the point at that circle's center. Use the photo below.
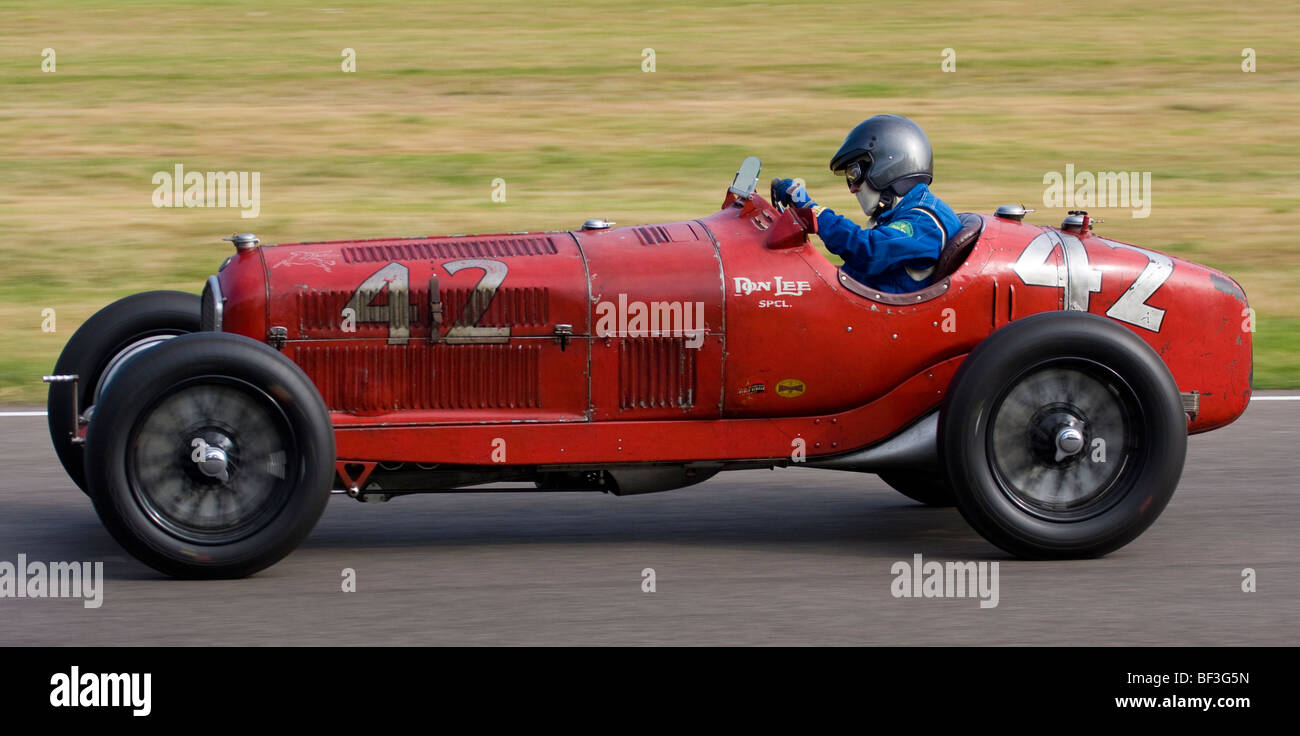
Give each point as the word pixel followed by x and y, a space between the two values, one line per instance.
pixel 756 557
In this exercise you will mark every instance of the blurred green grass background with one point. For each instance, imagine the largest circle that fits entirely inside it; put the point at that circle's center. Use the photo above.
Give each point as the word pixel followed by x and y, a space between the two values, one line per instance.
pixel 552 98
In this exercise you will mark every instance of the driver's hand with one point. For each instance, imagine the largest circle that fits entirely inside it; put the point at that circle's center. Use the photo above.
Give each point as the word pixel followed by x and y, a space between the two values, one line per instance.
pixel 791 193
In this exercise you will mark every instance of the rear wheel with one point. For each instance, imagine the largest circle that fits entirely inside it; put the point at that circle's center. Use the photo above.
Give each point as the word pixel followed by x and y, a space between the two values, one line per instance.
pixel 211 456
pixel 99 348
pixel 1064 435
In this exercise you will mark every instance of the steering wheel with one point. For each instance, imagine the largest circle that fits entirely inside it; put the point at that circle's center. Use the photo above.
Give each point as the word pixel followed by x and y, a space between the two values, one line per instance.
pixel 773 198
pixel 797 217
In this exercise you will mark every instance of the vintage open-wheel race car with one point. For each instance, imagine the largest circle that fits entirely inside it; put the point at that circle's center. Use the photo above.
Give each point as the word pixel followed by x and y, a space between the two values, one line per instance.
pixel 1045 383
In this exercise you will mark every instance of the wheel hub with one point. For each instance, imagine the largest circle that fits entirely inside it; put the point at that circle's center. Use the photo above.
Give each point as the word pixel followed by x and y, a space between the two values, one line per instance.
pixel 210 457
pixel 1056 435
pixel 1068 442
pixel 213 461
pixel 1040 435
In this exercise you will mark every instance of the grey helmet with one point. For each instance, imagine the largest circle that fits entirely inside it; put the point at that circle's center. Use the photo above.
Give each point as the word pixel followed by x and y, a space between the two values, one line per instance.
pixel 897 150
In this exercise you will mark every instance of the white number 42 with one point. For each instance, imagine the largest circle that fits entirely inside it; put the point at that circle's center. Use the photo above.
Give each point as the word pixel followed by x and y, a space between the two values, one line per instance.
pixel 1076 276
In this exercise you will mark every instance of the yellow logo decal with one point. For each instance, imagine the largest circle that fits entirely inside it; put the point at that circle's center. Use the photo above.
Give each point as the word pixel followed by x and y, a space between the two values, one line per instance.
pixel 790 388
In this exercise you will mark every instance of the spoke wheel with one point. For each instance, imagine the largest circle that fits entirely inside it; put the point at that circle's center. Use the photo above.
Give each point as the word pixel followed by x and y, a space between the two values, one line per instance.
pixel 209 460
pixel 211 455
pixel 97 352
pixel 1063 436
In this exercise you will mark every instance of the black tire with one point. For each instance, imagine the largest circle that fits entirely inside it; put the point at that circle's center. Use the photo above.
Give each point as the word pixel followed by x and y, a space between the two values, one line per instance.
pixel 1021 404
pixel 929 487
pixel 232 393
pixel 108 335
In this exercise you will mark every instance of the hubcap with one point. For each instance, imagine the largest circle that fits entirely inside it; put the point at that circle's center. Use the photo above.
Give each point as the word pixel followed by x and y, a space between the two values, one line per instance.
pixel 210 460
pixel 1060 436
pixel 1068 442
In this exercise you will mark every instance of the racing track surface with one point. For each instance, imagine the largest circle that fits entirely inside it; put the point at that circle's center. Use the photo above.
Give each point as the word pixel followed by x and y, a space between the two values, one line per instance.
pixel 757 557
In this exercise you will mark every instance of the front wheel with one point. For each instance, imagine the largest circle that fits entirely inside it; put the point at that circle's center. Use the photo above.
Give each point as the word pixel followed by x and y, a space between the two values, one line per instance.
pixel 210 456
pixel 99 348
pixel 1064 435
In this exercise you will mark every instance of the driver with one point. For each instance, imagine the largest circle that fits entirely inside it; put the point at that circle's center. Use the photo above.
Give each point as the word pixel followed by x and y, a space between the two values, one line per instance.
pixel 888 164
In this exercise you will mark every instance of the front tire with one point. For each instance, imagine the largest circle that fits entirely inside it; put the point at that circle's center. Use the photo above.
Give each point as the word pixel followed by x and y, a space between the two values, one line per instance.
pixel 1064 435
pixel 211 456
pixel 102 344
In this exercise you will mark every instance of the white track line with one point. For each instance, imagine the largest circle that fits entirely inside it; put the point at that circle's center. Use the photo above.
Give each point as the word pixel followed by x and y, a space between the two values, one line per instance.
pixel 41 413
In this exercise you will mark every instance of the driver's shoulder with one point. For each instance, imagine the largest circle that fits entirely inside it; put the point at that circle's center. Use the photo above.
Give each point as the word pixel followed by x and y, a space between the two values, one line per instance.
pixel 919 219
pixel 931 201
pixel 932 204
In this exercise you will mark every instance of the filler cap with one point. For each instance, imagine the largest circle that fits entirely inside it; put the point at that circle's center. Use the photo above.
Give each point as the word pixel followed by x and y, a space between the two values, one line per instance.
pixel 243 241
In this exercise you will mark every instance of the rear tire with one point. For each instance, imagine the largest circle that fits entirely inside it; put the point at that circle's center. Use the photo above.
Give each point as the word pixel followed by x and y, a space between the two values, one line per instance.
pixel 100 346
pixel 1064 435
pixel 211 456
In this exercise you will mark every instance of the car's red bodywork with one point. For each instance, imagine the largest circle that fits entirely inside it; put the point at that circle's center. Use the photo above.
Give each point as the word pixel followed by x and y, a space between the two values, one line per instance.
pixel 789 357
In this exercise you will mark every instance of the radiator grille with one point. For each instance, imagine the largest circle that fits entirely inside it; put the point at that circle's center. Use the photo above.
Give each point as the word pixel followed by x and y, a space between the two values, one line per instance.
pixel 509 308
pixel 656 373
pixel 431 250
pixel 211 306
pixel 322 311
pixel 207 310
pixel 423 376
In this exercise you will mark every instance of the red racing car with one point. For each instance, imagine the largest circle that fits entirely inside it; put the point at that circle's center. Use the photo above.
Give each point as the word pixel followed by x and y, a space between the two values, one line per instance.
pixel 1045 384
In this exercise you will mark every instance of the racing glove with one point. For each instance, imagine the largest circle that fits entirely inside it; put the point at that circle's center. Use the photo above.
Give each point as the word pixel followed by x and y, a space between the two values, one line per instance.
pixel 791 193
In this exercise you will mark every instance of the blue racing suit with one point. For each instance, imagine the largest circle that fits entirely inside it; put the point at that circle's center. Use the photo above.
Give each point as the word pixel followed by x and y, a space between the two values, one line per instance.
pixel 905 237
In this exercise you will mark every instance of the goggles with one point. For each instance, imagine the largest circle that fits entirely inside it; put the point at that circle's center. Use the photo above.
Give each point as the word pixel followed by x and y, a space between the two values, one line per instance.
pixel 856 173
